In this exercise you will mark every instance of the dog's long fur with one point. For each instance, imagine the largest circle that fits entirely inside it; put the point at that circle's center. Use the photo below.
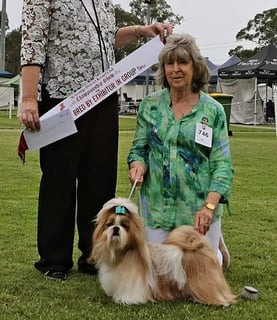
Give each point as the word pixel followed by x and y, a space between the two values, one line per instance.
pixel 134 271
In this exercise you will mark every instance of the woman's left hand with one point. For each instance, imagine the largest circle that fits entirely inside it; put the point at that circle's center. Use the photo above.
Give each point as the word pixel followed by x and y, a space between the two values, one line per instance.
pixel 203 219
pixel 158 28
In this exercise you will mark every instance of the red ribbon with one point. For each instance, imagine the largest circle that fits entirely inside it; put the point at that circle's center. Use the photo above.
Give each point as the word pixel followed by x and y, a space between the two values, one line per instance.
pixel 22 147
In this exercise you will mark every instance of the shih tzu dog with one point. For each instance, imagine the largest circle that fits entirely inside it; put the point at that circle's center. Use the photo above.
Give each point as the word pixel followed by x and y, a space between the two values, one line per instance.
pixel 133 271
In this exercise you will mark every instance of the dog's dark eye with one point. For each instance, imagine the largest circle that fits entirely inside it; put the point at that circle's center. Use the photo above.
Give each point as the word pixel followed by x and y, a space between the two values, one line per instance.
pixel 125 226
pixel 109 224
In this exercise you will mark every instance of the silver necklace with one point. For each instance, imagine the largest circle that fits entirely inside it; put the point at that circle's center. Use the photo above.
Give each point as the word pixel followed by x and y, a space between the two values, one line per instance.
pixel 174 106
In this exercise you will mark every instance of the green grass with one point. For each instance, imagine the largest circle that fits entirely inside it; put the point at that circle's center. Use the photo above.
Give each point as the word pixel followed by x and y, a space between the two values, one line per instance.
pixel 6 122
pixel 250 234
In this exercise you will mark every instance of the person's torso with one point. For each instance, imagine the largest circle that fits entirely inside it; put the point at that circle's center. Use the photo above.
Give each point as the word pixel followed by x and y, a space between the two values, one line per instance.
pixel 178 176
pixel 73 51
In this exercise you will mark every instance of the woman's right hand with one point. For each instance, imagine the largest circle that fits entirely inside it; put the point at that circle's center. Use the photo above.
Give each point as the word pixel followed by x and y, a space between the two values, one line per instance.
pixel 136 172
pixel 29 116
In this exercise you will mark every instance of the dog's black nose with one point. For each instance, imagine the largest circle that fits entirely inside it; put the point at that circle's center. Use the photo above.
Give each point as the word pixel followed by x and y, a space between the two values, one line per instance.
pixel 116 231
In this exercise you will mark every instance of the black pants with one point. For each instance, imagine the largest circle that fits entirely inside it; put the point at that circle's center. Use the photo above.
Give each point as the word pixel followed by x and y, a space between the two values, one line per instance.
pixel 80 169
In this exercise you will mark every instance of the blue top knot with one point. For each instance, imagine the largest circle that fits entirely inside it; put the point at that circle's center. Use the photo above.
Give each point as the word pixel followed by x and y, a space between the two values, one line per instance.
pixel 120 210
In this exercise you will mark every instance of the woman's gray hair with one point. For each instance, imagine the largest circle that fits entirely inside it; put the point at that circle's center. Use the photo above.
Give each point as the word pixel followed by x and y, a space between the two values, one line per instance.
pixel 183 48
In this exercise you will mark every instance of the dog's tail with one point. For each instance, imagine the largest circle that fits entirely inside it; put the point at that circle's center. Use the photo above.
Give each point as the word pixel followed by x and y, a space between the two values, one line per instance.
pixel 186 238
pixel 205 279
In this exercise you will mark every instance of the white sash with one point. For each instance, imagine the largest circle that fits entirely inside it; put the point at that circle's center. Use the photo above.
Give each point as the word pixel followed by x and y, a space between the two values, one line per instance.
pixel 91 94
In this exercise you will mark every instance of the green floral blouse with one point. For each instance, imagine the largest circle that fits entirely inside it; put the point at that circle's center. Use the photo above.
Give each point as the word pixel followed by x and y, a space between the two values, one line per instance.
pixel 179 171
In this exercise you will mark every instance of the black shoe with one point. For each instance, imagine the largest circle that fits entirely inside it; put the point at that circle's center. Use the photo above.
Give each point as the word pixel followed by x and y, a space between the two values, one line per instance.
pixel 85 267
pixel 56 275
pixel 41 266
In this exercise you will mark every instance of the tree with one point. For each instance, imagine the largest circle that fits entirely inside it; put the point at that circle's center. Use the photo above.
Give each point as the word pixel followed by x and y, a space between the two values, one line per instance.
pixel 261 30
pixel 4 23
pixel 12 55
pixel 243 53
pixel 160 11
pixel 12 48
pixel 7 21
pixel 123 19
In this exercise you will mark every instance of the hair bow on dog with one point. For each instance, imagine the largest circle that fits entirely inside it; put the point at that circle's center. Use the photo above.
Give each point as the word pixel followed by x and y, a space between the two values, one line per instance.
pixel 120 210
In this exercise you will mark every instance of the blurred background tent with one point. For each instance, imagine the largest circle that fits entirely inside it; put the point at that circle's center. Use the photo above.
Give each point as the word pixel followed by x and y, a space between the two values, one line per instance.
pixel 210 64
pixel 134 91
pixel 241 81
pixel 9 92
pixel 5 74
pixel 12 82
pixel 233 60
pixel 263 66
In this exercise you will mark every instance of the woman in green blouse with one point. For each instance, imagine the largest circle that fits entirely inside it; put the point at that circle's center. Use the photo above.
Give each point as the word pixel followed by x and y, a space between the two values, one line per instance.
pixel 180 154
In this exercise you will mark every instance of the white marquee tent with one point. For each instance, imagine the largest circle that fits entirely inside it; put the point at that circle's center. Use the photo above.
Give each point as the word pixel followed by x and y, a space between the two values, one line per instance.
pixel 7 96
pixel 242 81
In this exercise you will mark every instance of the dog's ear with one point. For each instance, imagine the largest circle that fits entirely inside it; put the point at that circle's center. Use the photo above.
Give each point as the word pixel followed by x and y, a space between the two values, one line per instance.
pixel 91 259
pixel 96 241
pixel 99 236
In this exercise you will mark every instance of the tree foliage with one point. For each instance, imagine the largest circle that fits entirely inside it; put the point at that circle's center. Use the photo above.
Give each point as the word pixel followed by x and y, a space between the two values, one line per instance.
pixel 7 21
pixel 12 47
pixel 12 54
pixel 243 53
pixel 261 30
pixel 123 19
pixel 149 11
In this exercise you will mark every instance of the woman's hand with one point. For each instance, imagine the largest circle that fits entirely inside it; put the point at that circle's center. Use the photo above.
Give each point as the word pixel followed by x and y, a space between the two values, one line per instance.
pixel 28 115
pixel 136 172
pixel 203 219
pixel 162 29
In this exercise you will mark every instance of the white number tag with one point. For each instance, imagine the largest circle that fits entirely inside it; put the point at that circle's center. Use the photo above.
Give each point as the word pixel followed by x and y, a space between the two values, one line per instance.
pixel 203 134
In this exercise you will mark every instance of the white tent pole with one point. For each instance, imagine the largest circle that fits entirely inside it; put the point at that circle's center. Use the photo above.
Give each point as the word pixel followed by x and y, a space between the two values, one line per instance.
pixel 274 98
pixel 135 95
pixel 255 110
pixel 10 103
pixel 19 101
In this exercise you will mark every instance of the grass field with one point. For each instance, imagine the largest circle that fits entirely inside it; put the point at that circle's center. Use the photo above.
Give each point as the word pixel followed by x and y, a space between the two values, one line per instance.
pixel 250 234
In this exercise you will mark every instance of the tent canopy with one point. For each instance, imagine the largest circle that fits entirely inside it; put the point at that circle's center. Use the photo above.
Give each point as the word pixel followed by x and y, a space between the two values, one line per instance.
pixel 12 82
pixel 263 66
pixel 5 74
pixel 234 59
pixel 141 78
pixel 210 64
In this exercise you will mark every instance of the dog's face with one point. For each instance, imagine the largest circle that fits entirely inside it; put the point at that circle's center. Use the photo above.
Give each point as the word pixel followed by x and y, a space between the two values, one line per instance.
pixel 118 229
pixel 114 229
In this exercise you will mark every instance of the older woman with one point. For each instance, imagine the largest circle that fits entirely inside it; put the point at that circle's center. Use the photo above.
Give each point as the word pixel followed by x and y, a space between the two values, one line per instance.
pixel 180 154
